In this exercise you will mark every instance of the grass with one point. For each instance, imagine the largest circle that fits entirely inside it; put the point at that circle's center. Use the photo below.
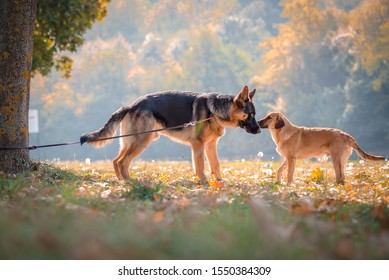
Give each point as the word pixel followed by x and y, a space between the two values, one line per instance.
pixel 74 210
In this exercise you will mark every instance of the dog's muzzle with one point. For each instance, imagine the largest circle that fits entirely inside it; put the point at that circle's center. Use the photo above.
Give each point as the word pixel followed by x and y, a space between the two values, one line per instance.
pixel 262 124
pixel 250 125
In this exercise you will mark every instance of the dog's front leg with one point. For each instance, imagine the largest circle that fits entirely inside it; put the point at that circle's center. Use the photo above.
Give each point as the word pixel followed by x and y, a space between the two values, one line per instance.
pixel 198 158
pixel 280 171
pixel 291 163
pixel 213 160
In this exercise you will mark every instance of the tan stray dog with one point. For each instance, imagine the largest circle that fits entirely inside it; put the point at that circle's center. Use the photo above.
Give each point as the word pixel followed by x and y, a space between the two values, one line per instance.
pixel 298 142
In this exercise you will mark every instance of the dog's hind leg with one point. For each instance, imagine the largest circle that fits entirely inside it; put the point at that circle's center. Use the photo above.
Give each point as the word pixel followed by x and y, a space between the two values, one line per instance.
pixel 132 146
pixel 291 165
pixel 198 158
pixel 132 152
pixel 339 173
pixel 121 164
pixel 339 162
pixel 213 160
pixel 121 155
pixel 280 170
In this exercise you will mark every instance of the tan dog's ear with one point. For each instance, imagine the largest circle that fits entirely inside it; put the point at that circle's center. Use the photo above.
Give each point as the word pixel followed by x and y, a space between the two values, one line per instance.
pixel 251 94
pixel 280 122
pixel 242 96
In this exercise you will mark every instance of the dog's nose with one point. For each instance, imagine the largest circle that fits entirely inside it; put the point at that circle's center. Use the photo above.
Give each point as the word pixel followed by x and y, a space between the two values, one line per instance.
pixel 255 130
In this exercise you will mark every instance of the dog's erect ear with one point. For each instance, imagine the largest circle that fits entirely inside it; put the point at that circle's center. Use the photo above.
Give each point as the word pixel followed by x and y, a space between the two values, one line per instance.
pixel 251 94
pixel 280 122
pixel 243 95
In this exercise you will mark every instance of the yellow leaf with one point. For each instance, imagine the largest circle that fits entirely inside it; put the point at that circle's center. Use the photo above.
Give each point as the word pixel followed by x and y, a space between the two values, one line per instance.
pixel 348 187
pixel 216 184
pixel 317 173
pixel 352 194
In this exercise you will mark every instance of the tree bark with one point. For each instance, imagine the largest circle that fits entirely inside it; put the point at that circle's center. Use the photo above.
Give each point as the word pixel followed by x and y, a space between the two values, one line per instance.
pixel 17 22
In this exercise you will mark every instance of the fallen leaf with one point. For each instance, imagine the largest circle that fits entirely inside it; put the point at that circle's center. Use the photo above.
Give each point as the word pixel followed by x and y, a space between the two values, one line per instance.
pixel 216 184
pixel 317 174
pixel 159 215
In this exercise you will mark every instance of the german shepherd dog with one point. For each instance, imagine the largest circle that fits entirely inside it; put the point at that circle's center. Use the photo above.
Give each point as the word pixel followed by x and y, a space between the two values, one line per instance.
pixel 175 108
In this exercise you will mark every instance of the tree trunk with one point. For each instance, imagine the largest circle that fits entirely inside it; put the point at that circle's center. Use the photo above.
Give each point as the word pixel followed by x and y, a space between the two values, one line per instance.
pixel 17 21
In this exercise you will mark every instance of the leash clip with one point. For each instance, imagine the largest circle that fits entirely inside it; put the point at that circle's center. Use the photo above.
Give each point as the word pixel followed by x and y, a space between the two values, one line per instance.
pixel 189 124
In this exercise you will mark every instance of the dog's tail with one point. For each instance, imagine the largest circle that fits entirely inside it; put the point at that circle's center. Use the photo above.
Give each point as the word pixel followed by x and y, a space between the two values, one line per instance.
pixel 361 153
pixel 108 130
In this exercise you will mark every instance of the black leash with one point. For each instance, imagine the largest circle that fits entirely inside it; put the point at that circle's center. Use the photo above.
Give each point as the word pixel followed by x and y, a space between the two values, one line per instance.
pixel 34 147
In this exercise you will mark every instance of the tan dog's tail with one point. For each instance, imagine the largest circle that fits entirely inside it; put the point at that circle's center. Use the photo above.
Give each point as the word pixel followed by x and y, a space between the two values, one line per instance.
pixel 108 130
pixel 361 153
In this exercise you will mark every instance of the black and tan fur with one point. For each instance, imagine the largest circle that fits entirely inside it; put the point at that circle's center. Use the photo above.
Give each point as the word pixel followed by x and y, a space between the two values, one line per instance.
pixel 174 108
pixel 299 142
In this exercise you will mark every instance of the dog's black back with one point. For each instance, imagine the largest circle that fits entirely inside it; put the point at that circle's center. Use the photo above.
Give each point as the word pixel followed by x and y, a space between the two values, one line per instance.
pixel 174 108
pixel 168 108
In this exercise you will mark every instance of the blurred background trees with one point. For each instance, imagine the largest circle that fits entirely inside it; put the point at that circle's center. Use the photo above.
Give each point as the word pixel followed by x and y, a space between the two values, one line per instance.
pixel 322 63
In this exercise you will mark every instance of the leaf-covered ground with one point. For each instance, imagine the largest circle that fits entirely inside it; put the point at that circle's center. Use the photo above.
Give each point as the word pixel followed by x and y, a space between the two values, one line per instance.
pixel 78 210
